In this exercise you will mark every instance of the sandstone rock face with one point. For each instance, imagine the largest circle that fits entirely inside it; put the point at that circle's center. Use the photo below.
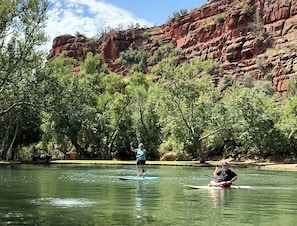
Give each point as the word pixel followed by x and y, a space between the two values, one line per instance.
pixel 245 36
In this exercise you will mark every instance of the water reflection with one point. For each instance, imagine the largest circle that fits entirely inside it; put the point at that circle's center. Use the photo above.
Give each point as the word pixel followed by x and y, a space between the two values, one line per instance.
pixel 63 202
pixel 220 197
pixel 139 195
pixel 93 195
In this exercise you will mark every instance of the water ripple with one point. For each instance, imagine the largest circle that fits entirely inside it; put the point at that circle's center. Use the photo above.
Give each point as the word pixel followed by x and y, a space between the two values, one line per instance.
pixel 64 203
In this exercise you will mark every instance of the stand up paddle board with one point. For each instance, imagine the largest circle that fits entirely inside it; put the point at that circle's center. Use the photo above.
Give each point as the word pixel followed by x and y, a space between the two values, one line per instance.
pixel 216 187
pixel 138 178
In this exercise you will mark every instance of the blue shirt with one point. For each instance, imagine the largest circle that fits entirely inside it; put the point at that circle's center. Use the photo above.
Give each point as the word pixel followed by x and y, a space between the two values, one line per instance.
pixel 140 154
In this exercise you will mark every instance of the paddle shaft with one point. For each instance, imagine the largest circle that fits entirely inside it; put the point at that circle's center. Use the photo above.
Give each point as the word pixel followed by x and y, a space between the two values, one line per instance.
pixel 217 178
pixel 211 177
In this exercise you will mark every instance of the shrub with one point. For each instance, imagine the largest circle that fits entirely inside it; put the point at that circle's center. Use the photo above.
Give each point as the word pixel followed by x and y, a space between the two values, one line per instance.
pixel 220 18
pixel 178 13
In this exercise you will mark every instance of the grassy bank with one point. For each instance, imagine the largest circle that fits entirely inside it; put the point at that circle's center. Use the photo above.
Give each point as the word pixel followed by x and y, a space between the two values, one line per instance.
pixel 131 162
pixel 257 165
pixel 263 166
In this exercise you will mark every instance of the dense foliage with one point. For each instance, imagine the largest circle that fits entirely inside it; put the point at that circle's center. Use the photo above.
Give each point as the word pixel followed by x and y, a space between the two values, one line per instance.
pixel 21 74
pixel 177 111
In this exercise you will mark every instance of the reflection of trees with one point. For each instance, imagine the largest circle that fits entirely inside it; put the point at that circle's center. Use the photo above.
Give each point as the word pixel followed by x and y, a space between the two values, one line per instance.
pixel 220 197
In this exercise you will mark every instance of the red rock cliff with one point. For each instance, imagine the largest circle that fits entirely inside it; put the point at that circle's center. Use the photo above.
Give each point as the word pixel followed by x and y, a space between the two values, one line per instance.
pixel 245 36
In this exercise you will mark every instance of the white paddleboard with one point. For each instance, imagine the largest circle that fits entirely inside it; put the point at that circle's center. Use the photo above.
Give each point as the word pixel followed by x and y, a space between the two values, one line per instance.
pixel 216 187
pixel 138 178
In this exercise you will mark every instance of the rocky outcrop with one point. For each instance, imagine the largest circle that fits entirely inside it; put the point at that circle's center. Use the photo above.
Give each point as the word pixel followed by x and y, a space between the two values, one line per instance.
pixel 253 37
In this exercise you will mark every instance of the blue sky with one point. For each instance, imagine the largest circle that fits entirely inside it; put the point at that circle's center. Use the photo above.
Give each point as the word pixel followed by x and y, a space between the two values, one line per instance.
pixel 89 17
pixel 156 11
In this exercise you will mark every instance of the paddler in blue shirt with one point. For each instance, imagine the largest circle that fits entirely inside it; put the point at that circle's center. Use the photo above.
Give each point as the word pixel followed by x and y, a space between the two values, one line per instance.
pixel 140 158
pixel 226 176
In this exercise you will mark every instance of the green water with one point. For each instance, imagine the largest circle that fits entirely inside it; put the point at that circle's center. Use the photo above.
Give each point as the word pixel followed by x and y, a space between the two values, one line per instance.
pixel 93 195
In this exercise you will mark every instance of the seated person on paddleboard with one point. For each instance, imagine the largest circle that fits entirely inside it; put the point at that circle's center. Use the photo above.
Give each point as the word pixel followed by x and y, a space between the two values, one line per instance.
pixel 140 158
pixel 226 176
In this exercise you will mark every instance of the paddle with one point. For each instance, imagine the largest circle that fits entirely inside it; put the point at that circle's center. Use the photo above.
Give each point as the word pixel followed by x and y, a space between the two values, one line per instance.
pixel 217 178
pixel 211 177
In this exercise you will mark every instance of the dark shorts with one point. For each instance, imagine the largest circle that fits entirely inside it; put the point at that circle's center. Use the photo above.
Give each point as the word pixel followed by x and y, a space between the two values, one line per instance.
pixel 140 162
pixel 227 185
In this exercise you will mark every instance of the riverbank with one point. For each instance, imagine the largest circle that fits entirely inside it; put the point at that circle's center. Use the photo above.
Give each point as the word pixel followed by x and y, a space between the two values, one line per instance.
pixel 245 164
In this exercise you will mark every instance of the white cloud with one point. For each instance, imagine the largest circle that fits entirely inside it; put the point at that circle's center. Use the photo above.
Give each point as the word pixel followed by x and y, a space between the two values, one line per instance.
pixel 86 17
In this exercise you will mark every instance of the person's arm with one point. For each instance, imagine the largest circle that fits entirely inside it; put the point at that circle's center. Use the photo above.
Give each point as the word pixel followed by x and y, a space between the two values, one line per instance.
pixel 215 172
pixel 131 147
pixel 233 179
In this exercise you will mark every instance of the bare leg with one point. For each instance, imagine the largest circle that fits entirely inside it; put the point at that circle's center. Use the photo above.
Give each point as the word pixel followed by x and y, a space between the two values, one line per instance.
pixel 138 170
pixel 217 184
pixel 143 171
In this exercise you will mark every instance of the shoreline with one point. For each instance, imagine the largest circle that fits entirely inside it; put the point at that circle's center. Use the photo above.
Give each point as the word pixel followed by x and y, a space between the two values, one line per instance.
pixel 272 166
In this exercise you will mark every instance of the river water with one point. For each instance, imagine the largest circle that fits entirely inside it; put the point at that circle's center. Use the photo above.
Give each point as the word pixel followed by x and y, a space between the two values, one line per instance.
pixel 94 195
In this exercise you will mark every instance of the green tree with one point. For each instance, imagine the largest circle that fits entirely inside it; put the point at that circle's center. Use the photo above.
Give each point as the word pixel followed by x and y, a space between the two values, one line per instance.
pixel 112 105
pixel 142 107
pixel 257 115
pixel 72 109
pixel 88 109
pixel 187 102
pixel 287 123
pixel 135 59
pixel 62 117
pixel 21 70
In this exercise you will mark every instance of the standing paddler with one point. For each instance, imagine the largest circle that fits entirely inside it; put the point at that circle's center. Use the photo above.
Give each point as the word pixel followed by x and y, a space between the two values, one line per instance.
pixel 140 158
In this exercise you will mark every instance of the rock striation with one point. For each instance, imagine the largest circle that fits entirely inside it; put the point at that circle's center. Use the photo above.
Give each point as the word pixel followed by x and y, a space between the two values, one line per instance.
pixel 255 37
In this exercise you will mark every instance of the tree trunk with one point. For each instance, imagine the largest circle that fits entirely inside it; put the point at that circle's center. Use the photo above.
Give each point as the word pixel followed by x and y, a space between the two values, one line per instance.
pixel 10 151
pixel 14 153
pixel 80 150
pixel 199 149
pixel 5 145
pixel 5 148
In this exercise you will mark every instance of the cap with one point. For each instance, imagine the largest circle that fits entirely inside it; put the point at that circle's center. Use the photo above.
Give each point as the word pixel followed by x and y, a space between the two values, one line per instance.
pixel 225 164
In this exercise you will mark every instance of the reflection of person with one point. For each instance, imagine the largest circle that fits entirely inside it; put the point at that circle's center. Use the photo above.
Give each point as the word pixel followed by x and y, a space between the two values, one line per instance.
pixel 226 176
pixel 140 158
pixel 221 197
pixel 139 195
